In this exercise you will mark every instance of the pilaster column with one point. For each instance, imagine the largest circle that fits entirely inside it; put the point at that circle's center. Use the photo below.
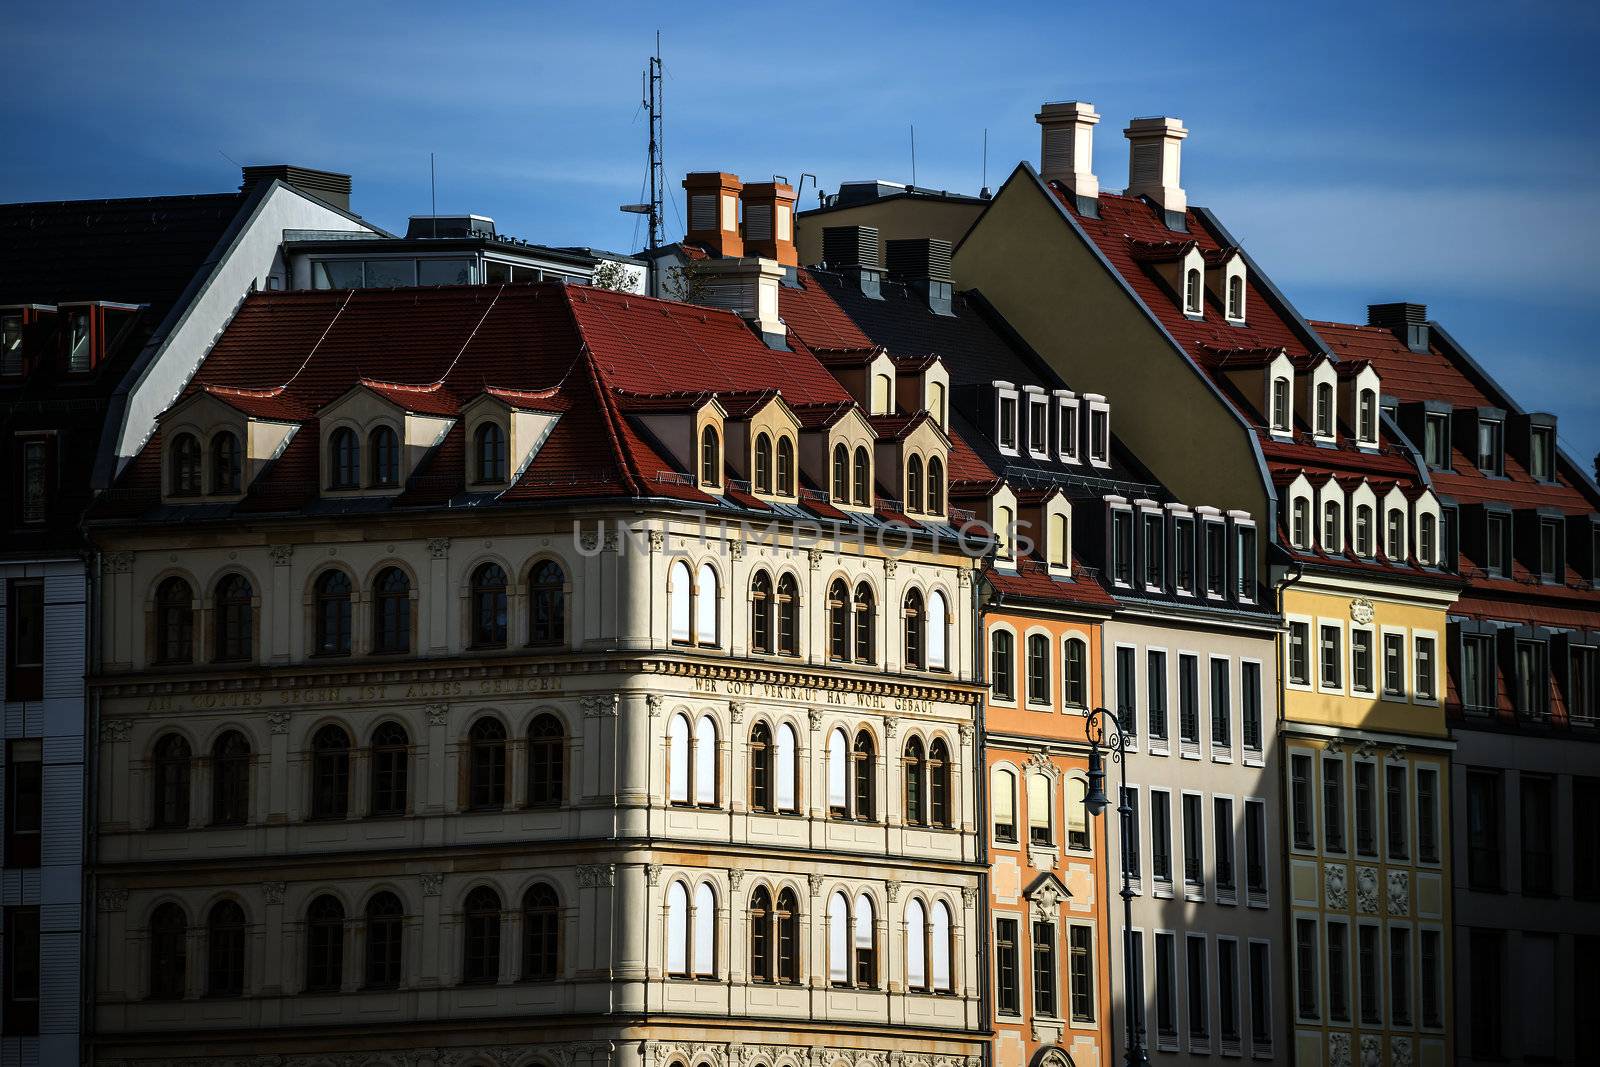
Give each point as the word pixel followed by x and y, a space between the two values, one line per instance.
pixel 276 632
pixel 444 605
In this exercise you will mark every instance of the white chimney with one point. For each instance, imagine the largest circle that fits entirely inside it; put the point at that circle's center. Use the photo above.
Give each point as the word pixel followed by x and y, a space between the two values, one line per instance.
pixel 1153 151
pixel 1066 150
pixel 748 287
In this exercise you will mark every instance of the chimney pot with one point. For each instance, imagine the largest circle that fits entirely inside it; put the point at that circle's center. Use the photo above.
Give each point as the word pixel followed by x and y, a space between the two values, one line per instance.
pixel 713 201
pixel 1066 149
pixel 1154 149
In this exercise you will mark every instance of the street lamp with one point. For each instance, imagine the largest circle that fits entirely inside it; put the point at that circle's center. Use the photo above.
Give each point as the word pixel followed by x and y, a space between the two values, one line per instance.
pixel 1103 730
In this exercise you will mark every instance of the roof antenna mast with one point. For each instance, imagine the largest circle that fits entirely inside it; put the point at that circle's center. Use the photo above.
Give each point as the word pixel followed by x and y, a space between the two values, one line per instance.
pixel 653 101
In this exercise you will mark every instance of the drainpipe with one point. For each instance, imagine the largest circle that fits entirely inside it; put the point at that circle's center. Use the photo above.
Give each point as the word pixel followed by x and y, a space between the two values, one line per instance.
pixel 980 792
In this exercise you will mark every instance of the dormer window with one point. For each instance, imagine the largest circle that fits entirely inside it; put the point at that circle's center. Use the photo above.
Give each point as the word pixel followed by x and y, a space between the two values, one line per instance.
pixel 914 484
pixel 1332 527
pixel 1154 551
pixel 1364 531
pixel 1059 551
pixel 1394 535
pixel 1324 409
pixel 1099 432
pixel 1367 417
pixel 1244 541
pixel 184 474
pixel 882 394
pixel 935 486
pixel 344 459
pixel 1236 298
pixel 1551 565
pixel 1427 540
pixel 1193 284
pixel 79 341
pixel 1183 554
pixel 10 345
pixel 862 487
pixel 763 464
pixel 1008 423
pixel 1497 557
pixel 710 457
pixel 936 404
pixel 1038 426
pixel 840 480
pixel 1216 558
pixel 1542 454
pixel 489 454
pixel 383 450
pixel 225 464
pixel 1491 446
pixel 1280 405
pixel 1300 523
pixel 1003 521
pixel 1122 546
pixel 1436 440
pixel 1067 428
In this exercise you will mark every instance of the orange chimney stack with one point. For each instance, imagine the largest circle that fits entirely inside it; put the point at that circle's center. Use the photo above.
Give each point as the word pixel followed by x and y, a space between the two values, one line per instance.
pixel 714 212
pixel 769 221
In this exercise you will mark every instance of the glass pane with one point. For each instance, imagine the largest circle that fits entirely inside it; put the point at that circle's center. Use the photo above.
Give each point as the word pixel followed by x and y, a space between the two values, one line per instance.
pixel 444 271
pixel 338 274
pixel 384 273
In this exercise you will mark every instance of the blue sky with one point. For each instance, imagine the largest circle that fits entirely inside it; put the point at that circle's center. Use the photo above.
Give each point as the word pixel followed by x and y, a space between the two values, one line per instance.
pixel 1442 153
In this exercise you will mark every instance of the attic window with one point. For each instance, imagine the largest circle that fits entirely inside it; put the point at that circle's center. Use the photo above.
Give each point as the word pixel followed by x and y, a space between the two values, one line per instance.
pixel 1541 454
pixel 1183 555
pixel 1003 521
pixel 763 464
pixel 1122 546
pixel 936 404
pixel 1394 537
pixel 1436 441
pixel 1008 423
pixel 1236 298
pixel 1491 446
pixel 80 342
pixel 11 345
pixel 1324 409
pixel 863 478
pixel 710 457
pixel 1067 430
pixel 1038 427
pixel 882 387
pixel 224 464
pixel 1550 562
pixel 1498 550
pixel 935 486
pixel 841 474
pixel 344 459
pixel 1192 284
pixel 1099 434
pixel 1216 558
pixel 1364 530
pixel 1244 543
pixel 489 454
pixel 1280 405
pixel 1367 417
pixel 1300 523
pixel 184 479
pixel 1332 527
pixel 383 445
pixel 1058 551
pixel 1427 539
pixel 35 478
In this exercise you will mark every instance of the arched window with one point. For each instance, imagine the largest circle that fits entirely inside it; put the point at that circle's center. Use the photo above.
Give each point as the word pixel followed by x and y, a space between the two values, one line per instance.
pixel 169 952
pixel 344 459
pixel 774 932
pixel 839 621
pixel 489 606
pixel 679 758
pixel 1004 520
pixel 486 766
pixel 333 613
pixel 705 762
pixel 939 811
pixel 763 464
pixel 547 604
pixel 914 484
pixel 1427 538
pixel 1076 671
pixel 1059 551
pixel 224 463
pixel 677 927
pixel 225 950
pixel 838 940
pixel 330 773
pixel 391 763
pixel 938 631
pixel 788 616
pixel 865 943
pixel 935 486
pixel 1363 530
pixel 916 935
pixel 169 768
pixel 705 926
pixel 1394 545
pixel 838 774
pixel 1235 297
pixel 882 394
pixel 1077 815
pixel 761 936
pixel 183 478
pixel 841 474
pixel 1003 800
pixel 936 403
pixel 1324 409
pixel 391 611
pixel 1039 669
pixel 706 603
pixel 174 622
pixel 915 761
pixel 679 601
pixel 385 933
pixel 1300 522
pixel 710 457
pixel 785 467
pixel 324 945
pixel 864 781
pixel 866 612
pixel 1191 292
pixel 480 943
pixel 940 948
pixel 914 628
pixel 541 934
pixel 1332 527
pixel 861 482
pixel 230 780
pixel 383 446
pixel 234 618
pixel 547 761
pixel 1039 823
pixel 785 769
pixel 1002 660
pixel 761 767
pixel 788 927
pixel 489 454
pixel 761 611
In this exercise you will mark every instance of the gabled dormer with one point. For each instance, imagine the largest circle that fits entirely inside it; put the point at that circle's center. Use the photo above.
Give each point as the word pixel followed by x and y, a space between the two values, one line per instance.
pixel 1045 518
pixel 1036 435
pixel 1265 376
pixel 1427 540
pixel 1532 441
pixel 764 443
pixel 923 384
pixel 1359 392
pixel 215 442
pixel 1480 433
pixel 505 429
pixel 23 329
pixel 691 427
pixel 836 447
pixel 1225 280
pixel 376 433
pixel 1318 397
pixel 1182 266
pixel 868 373
pixel 1331 517
pixel 1300 515
pixel 1395 525
pixel 913 460
pixel 1364 520
pixel 1006 525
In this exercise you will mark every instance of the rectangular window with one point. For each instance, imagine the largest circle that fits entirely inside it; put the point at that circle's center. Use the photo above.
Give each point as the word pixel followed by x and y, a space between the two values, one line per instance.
pixel 1490 443
pixel 1067 424
pixel 1394 665
pixel 1486 999
pixel 1432 970
pixel 1127 712
pixel 1008 422
pixel 1498 554
pixel 1332 804
pixel 1532 681
pixel 1044 969
pixel 24 798
pixel 1330 647
pixel 1399 976
pixel 1280 405
pixel 1541 455
pixel 1038 422
pixel 1436 441
pixel 1426 688
pixel 1483 829
pixel 21 1015
pixel 1583 678
pixel 1183 533
pixel 34 480
pixel 1161 835
pixel 1367 974
pixel 1255 848
pixel 1008 990
pixel 1154 552
pixel 1156 693
pixel 1586 838
pixel 1260 996
pixel 1300 653
pixel 1188 699
pixel 1166 987
pixel 1244 562
pixel 1130 832
pixel 10 345
pixel 1338 971
pixel 1199 993
pixel 1250 704
pixel 1136 976
pixel 1477 673
pixel 1360 660
pixel 1221 706
pixel 1397 809
pixel 1222 832
pixel 1427 815
pixel 1216 560
pixel 25 639
pixel 1081 940
pixel 1099 435
pixel 1366 808
pixel 1228 990
pixel 1305 968
pixel 1194 862
pixel 1538 835
pixel 1300 800
pixel 1122 547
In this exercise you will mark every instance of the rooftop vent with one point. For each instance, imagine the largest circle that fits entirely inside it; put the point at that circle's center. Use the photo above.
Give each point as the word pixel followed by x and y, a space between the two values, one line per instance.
pixel 855 251
pixel 450 226
pixel 328 186
pixel 923 264
pixel 1409 322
